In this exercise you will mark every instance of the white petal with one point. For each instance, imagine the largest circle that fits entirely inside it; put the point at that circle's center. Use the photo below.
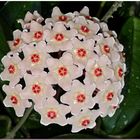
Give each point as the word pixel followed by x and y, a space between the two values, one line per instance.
pixel 35 26
pixel 27 37
pixel 17 34
pixel 56 12
pixel 85 11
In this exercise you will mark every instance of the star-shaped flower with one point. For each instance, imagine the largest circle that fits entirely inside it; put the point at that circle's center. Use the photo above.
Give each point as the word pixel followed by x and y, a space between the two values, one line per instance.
pixel 34 57
pixel 79 97
pixel 17 41
pixel 11 71
pixel 59 38
pixel 38 88
pixel 85 119
pixel 63 71
pixel 98 70
pixel 13 99
pixel 35 33
pixel 53 112
pixel 82 51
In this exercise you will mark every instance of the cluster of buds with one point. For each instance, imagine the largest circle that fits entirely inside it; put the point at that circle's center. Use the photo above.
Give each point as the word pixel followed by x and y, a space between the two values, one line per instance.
pixel 70 66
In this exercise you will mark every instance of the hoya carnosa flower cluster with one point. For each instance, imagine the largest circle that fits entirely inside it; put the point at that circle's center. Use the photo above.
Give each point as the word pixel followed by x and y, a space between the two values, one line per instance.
pixel 71 66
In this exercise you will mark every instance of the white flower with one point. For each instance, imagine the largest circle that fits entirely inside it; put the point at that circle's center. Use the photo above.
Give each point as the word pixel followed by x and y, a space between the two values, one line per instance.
pixel 82 51
pixel 34 57
pixel 85 119
pixel 11 71
pixel 85 27
pixel 59 38
pixel 53 112
pixel 13 99
pixel 17 41
pixel 79 97
pixel 37 88
pixel 98 70
pixel 108 98
pixel 35 34
pixel 63 71
pixel 107 47
pixel 30 17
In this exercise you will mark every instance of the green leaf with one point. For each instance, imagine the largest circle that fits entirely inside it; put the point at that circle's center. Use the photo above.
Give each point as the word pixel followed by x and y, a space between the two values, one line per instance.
pixel 15 10
pixel 129 112
pixel 5 125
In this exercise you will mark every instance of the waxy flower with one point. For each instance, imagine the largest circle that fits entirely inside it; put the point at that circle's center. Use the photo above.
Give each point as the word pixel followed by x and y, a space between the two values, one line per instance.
pixel 34 57
pixel 63 71
pixel 38 88
pixel 59 38
pixel 53 112
pixel 17 41
pixel 35 34
pixel 13 99
pixel 12 71
pixel 79 97
pixel 85 119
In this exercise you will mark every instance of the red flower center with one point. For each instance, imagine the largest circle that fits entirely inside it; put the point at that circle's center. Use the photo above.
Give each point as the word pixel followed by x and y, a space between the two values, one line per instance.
pixel 120 72
pixel 62 18
pixel 81 52
pixel 14 100
pixel 81 98
pixel 35 58
pixel 36 89
pixel 85 122
pixel 16 42
pixel 84 29
pixel 62 71
pixel 38 35
pixel 109 96
pixel 98 72
pixel 51 114
pixel 11 69
pixel 106 48
pixel 59 37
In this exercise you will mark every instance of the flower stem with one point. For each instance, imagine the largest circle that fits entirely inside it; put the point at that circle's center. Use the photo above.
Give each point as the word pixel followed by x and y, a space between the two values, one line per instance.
pixel 113 9
pixel 12 133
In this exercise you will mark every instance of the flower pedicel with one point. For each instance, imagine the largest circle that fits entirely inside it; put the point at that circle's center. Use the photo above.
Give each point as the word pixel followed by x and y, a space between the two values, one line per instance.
pixel 73 53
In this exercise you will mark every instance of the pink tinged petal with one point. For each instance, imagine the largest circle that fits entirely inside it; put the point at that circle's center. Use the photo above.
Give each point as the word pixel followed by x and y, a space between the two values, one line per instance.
pixel 115 56
pixel 7 102
pixel 75 109
pixel 4 75
pixel 108 72
pixel 5 61
pixel 10 43
pixel 66 46
pixel 51 48
pixel 17 34
pixel 104 26
pixel 52 63
pixel 95 28
pixel 14 81
pixel 104 85
pixel 85 11
pixel 67 59
pixel 56 12
pixel 90 44
pixel 28 17
pixel 104 60
pixel 64 109
pixel 110 41
pixel 65 83
pixel 117 86
pixel 27 37
pixel 59 27
pixel 90 64
pixel 19 110
pixel 35 26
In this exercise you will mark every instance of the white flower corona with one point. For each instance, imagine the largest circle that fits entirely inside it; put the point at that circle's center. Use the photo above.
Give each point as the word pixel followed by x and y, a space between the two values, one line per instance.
pixel 73 53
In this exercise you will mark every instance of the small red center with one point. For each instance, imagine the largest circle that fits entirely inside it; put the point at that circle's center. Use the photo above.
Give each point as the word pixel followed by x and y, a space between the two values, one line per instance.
pixel 98 72
pixel 84 29
pixel 16 42
pixel 81 52
pixel 36 89
pixel 11 69
pixel 62 18
pixel 14 100
pixel 59 37
pixel 81 98
pixel 51 114
pixel 62 71
pixel 109 96
pixel 120 72
pixel 35 58
pixel 85 122
pixel 106 48
pixel 114 107
pixel 38 35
